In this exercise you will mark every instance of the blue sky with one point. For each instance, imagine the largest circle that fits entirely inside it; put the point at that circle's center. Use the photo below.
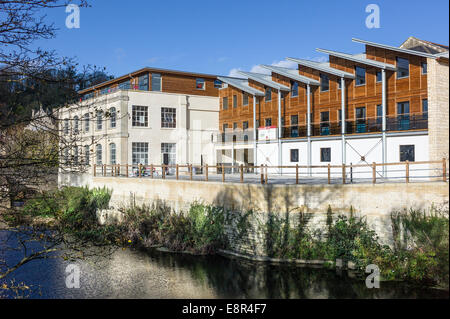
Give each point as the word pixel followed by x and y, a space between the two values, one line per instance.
pixel 218 36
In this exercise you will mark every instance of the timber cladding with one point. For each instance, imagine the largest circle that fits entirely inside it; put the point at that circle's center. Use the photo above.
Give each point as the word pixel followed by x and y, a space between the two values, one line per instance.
pixel 412 89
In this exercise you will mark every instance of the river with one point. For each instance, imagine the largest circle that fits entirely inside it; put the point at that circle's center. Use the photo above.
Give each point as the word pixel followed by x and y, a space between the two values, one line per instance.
pixel 128 273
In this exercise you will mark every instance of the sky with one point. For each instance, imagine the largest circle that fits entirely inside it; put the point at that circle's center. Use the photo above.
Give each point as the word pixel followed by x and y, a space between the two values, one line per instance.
pixel 220 37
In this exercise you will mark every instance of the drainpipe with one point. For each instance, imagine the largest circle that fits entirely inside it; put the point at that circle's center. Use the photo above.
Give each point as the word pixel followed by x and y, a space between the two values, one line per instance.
pixel 384 152
pixel 308 124
pixel 280 129
pixel 344 155
pixel 254 132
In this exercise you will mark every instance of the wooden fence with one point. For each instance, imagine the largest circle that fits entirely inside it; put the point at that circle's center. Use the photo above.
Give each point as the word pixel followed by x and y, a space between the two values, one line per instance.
pixel 240 172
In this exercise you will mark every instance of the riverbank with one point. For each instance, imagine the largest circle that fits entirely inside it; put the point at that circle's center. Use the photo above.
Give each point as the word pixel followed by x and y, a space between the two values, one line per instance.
pixel 419 254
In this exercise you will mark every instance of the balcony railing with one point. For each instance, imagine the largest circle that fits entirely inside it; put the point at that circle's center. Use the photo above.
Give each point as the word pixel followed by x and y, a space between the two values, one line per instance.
pixel 237 136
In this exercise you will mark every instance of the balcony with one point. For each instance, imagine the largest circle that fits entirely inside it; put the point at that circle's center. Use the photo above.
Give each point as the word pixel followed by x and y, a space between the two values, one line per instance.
pixel 236 136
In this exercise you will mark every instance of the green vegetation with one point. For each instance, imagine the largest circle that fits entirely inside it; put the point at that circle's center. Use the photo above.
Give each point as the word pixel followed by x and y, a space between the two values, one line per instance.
pixel 420 252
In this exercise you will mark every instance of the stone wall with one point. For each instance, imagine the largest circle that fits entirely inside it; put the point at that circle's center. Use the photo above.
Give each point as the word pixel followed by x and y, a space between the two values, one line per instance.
pixel 438 109
pixel 375 202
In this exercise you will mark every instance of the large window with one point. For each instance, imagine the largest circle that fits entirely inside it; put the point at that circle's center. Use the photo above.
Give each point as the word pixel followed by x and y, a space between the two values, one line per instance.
pixel 200 84
pixel 139 153
pixel 99 154
pixel 156 82
pixel 402 68
pixel 268 96
pixel 324 82
pixel 425 108
pixel 169 153
pixel 143 82
pixel 124 85
pixel 325 123
pixel 112 153
pixel 234 101
pixel 87 155
pixel 140 116
pixel 75 155
pixel 235 126
pixel 294 125
pixel 325 154
pixel 86 122
pixel 244 98
pixel 168 117
pixel 294 155
pixel 379 114
pixel 294 88
pixel 99 120
pixel 217 84
pixel 424 67
pixel 360 75
pixel 360 114
pixel 407 153
pixel 268 122
pixel 225 103
pixel 112 117
pixel 339 82
pixel 245 125
pixel 403 115
pixel 379 76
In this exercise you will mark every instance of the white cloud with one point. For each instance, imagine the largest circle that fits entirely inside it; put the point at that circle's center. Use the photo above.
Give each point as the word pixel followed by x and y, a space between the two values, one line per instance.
pixel 234 73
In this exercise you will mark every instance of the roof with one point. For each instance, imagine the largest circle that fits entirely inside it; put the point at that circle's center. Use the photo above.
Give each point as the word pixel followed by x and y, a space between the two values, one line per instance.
pixel 413 43
pixel 322 66
pixel 359 58
pixel 144 70
pixel 241 84
pixel 392 48
pixel 442 55
pixel 264 79
pixel 291 74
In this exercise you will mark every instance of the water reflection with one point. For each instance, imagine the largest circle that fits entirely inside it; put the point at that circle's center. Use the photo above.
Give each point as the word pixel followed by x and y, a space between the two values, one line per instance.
pixel 155 274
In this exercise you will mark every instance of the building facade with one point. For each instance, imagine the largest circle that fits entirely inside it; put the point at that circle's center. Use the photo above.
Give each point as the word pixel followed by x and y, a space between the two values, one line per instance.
pixel 151 116
pixel 386 105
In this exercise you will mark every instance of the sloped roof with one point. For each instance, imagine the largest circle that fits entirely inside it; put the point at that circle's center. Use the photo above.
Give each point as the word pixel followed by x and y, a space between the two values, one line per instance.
pixel 241 84
pixel 291 74
pixel 264 79
pixel 322 66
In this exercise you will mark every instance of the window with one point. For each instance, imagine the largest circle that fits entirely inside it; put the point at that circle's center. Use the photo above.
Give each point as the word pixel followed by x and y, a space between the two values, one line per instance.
pixel 339 83
pixel 234 101
pixel 245 125
pixel 425 109
pixel 99 120
pixel 124 85
pixel 225 103
pixel 339 118
pixel 235 126
pixel 76 125
pixel 407 153
pixel 112 153
pixel 402 68
pixel 325 154
pixel 244 98
pixel 424 68
pixel 139 116
pixel 217 84
pixel 98 154
pixel 200 84
pixel 257 124
pixel 169 153
pixel 86 122
pixel 324 83
pixel 87 155
pixel 268 122
pixel 66 156
pixel 379 76
pixel 294 155
pixel 325 123
pixel 75 155
pixel 143 82
pixel 360 75
pixel 225 127
pixel 294 88
pixel 403 116
pixel 112 119
pixel 66 126
pixel 168 117
pixel 360 114
pixel 139 153
pixel 379 114
pixel 268 96
pixel 156 82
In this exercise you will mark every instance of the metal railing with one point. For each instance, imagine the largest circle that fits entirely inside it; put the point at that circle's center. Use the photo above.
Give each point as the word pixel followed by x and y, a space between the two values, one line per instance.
pixel 298 174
